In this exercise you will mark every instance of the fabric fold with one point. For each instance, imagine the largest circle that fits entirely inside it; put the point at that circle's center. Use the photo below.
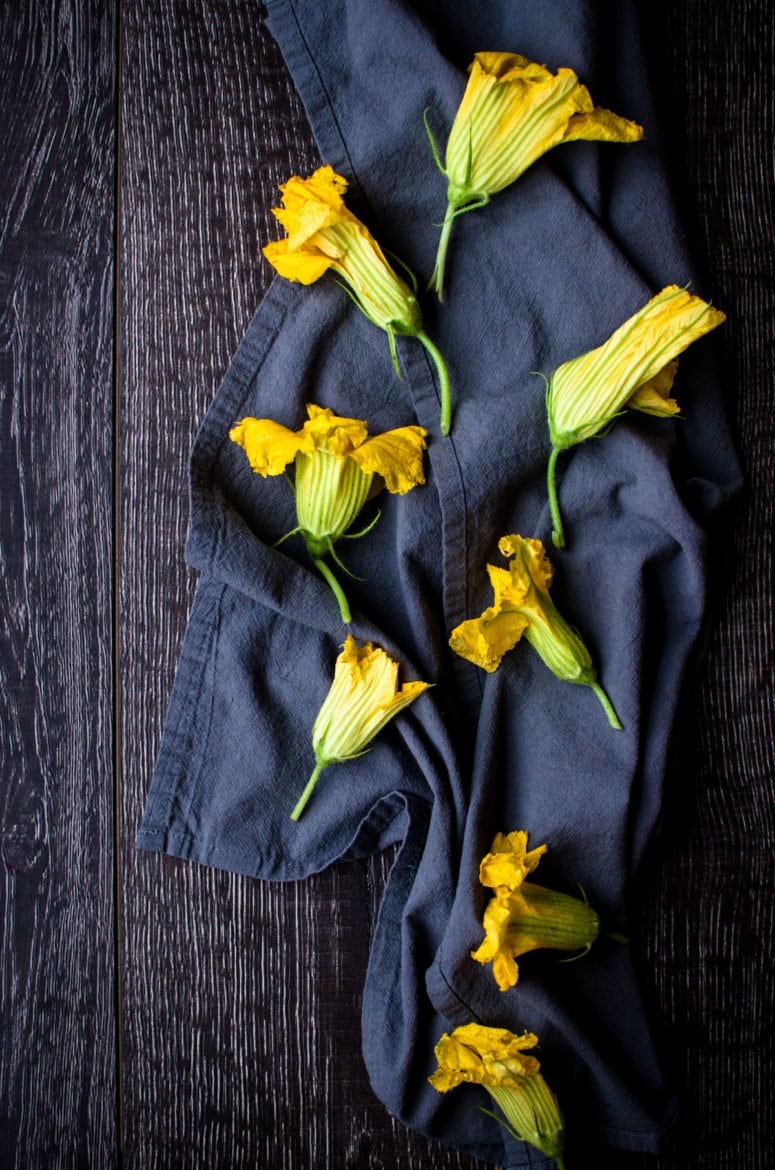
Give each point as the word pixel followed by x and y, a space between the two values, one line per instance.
pixel 545 272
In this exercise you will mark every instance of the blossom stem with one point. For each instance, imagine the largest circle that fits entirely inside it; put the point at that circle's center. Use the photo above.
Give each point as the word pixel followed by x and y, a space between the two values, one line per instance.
pixel 558 537
pixel 445 421
pixel 307 793
pixel 336 589
pixel 437 278
pixel 607 706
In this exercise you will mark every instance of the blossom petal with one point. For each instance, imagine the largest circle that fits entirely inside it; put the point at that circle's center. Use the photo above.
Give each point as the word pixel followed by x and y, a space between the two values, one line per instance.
pixel 524 917
pixel 301 225
pixel 512 112
pixel 396 455
pixel 495 947
pixel 531 567
pixel 522 604
pixel 362 699
pixel 324 188
pixel 587 392
pixel 376 719
pixel 458 1063
pixel 510 862
pixel 368 665
pixel 495 1059
pixel 507 67
pixel 484 640
pixel 269 446
pixel 476 1054
pixel 599 125
pixel 495 1041
pixel 505 970
pixel 323 233
pixel 340 436
pixel 653 397
pixel 518 117
pixel 299 266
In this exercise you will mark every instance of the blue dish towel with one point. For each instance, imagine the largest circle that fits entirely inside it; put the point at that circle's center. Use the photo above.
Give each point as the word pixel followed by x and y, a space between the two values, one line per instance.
pixel 547 271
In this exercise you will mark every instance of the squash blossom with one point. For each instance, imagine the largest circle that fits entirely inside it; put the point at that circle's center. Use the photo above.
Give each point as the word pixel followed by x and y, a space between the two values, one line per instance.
pixel 323 234
pixel 335 463
pixel 634 368
pixel 524 917
pixel 495 1059
pixel 522 605
pixel 364 696
pixel 512 112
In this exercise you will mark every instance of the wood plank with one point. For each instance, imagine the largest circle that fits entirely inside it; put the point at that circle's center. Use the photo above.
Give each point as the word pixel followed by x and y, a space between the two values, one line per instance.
pixel 706 906
pixel 57 1041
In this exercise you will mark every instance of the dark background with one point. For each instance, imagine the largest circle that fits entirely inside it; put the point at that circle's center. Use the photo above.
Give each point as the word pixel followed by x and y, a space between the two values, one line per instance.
pixel 162 1016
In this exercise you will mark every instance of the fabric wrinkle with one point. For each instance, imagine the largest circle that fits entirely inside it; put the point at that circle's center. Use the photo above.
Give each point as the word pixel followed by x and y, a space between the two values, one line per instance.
pixel 538 276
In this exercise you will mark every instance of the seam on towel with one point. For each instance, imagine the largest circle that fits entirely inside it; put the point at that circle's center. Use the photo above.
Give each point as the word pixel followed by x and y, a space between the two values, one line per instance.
pixel 325 93
pixel 206 522
pixel 208 679
pixel 332 142
pixel 177 739
pixel 246 365
pixel 382 814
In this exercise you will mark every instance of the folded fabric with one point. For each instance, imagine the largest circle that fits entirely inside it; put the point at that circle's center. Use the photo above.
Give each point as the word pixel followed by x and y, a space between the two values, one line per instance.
pixel 547 271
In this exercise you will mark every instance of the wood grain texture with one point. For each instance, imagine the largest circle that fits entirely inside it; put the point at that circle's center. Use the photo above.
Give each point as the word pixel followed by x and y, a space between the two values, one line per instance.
pixel 57 1040
pixel 706 907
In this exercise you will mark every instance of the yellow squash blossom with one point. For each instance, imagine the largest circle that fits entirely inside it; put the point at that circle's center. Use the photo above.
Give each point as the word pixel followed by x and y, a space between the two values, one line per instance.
pixel 364 696
pixel 496 1059
pixel 522 605
pixel 634 368
pixel 524 917
pixel 336 462
pixel 323 234
pixel 512 112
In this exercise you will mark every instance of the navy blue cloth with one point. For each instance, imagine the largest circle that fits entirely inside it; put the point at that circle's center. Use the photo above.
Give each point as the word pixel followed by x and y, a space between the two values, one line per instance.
pixel 544 273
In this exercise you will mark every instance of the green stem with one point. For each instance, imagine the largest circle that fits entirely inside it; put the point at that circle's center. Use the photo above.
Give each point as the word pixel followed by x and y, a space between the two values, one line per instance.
pixel 336 589
pixel 437 278
pixel 307 793
pixel 558 538
pixel 364 531
pixel 559 1161
pixel 607 706
pixel 445 421
pixel 293 532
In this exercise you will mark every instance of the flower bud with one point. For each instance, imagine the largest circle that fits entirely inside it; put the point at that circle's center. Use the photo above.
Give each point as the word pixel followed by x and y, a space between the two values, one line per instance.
pixel 522 605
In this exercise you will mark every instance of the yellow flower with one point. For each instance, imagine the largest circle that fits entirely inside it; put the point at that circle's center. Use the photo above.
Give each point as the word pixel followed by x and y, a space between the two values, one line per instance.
pixel 522 605
pixel 634 368
pixel 323 234
pixel 478 1055
pixel 363 697
pixel 524 917
pixel 336 463
pixel 512 112
pixel 495 1059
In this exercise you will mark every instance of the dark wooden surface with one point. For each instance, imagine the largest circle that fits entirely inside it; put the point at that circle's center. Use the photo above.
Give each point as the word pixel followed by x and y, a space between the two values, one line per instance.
pixel 58 1062
pixel 142 147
